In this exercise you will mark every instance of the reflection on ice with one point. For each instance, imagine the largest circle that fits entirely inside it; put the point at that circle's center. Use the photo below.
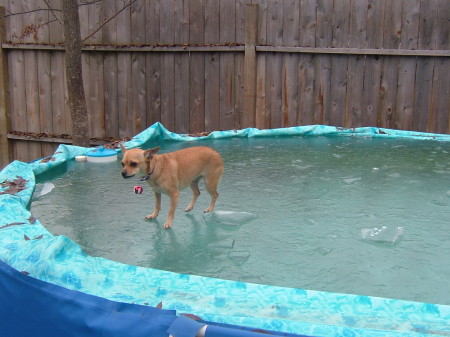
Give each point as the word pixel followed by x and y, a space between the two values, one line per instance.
pixel 229 218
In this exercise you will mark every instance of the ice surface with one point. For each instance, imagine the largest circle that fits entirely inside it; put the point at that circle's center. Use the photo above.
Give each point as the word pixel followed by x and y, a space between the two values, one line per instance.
pixel 229 218
pixel 384 234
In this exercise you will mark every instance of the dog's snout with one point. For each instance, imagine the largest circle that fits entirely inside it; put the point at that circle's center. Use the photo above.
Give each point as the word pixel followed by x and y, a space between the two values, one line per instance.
pixel 125 174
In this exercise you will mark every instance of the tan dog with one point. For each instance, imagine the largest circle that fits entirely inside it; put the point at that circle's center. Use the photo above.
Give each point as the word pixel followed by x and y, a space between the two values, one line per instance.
pixel 171 172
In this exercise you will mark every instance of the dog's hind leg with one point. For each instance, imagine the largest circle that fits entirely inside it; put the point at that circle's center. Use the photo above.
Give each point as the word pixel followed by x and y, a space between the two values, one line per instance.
pixel 195 194
pixel 211 187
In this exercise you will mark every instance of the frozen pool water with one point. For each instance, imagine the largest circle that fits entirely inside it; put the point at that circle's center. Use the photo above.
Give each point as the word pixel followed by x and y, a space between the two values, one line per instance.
pixel 319 213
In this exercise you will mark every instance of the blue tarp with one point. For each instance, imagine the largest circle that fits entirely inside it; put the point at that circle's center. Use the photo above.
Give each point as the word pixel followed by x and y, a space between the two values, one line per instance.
pixel 106 288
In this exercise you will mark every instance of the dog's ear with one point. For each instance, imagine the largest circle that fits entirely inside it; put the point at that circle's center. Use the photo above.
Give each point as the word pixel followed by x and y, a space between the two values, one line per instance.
pixel 123 148
pixel 149 153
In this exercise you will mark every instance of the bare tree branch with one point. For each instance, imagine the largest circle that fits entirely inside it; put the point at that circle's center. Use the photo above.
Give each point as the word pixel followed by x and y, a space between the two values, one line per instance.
pixel 54 12
pixel 109 19
pixel 32 11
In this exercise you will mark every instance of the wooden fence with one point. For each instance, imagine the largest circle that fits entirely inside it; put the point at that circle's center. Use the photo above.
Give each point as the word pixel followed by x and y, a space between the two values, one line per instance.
pixel 203 65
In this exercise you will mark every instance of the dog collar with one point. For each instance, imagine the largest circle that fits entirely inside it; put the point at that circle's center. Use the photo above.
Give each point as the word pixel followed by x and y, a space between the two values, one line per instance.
pixel 147 177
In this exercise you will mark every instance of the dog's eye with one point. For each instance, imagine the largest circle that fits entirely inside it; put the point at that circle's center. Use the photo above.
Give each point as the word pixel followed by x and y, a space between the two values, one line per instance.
pixel 133 164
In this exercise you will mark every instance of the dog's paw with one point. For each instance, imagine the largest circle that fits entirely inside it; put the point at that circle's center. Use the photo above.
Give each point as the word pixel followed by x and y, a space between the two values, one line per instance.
pixel 188 209
pixel 167 225
pixel 207 210
pixel 151 216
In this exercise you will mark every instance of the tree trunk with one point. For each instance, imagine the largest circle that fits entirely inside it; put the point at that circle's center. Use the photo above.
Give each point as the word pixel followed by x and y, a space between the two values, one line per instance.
pixel 77 101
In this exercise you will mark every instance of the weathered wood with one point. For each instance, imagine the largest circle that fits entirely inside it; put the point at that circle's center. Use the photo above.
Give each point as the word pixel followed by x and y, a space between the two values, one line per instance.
pixel 110 75
pixel 407 66
pixel 356 65
pixel 337 106
pixel 124 80
pixel 274 63
pixel 306 72
pixel 181 63
pixel 212 64
pixel 323 62
pixel 388 88
pixel 153 63
pixel 440 100
pixel 139 100
pixel 16 60
pixel 373 72
pixel 262 118
pixel 427 39
pixel 227 67
pixel 251 33
pixel 5 122
pixel 350 62
pixel 289 79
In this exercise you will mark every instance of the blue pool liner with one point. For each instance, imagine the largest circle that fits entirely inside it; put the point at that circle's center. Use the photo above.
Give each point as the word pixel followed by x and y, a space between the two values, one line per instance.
pixel 31 255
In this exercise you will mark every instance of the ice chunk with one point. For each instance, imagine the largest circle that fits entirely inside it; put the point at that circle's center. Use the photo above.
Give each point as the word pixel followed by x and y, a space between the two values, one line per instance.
pixel 384 234
pixel 43 189
pixel 350 181
pixel 229 218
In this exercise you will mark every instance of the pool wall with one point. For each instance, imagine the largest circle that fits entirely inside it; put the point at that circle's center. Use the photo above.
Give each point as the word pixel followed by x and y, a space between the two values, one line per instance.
pixel 29 248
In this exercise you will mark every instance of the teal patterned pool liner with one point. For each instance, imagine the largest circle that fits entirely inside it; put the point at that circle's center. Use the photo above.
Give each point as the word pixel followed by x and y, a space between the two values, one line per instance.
pixel 27 246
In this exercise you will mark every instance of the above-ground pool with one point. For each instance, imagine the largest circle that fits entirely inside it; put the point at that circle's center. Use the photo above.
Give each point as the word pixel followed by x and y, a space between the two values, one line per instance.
pixel 300 208
pixel 362 216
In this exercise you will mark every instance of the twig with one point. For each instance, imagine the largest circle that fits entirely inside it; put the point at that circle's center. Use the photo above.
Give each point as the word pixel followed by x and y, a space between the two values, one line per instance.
pixel 109 19
pixel 32 11
pixel 54 12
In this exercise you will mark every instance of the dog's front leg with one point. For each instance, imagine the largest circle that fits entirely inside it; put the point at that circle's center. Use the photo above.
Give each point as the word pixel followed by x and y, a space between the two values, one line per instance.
pixel 157 207
pixel 173 205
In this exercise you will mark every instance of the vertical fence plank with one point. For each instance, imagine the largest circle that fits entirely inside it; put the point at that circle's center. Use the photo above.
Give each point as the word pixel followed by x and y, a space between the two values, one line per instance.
pixel 274 63
pixel 289 81
pixel 339 64
pixel 227 69
pixel 44 78
pixel 262 118
pixel 356 64
pixel 391 36
pixel 212 64
pixel 372 76
pixel 307 38
pixel 31 82
pixel 124 80
pixel 182 118
pixel 139 93
pixel 440 96
pixel 167 36
pixel 251 32
pixel 17 79
pixel 323 62
pixel 239 62
pixel 5 121
pixel 109 37
pixel 153 62
pixel 197 68
pixel 407 65
pixel 422 112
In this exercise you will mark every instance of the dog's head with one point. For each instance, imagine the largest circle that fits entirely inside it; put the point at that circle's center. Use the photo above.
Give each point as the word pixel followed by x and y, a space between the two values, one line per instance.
pixel 136 161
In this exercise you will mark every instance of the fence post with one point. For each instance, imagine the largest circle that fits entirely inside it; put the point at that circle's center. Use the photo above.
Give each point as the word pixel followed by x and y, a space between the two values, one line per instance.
pixel 251 33
pixel 5 146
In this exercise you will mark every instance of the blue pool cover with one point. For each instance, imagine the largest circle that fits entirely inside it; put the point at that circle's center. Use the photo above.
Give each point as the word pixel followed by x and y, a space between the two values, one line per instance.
pixel 50 287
